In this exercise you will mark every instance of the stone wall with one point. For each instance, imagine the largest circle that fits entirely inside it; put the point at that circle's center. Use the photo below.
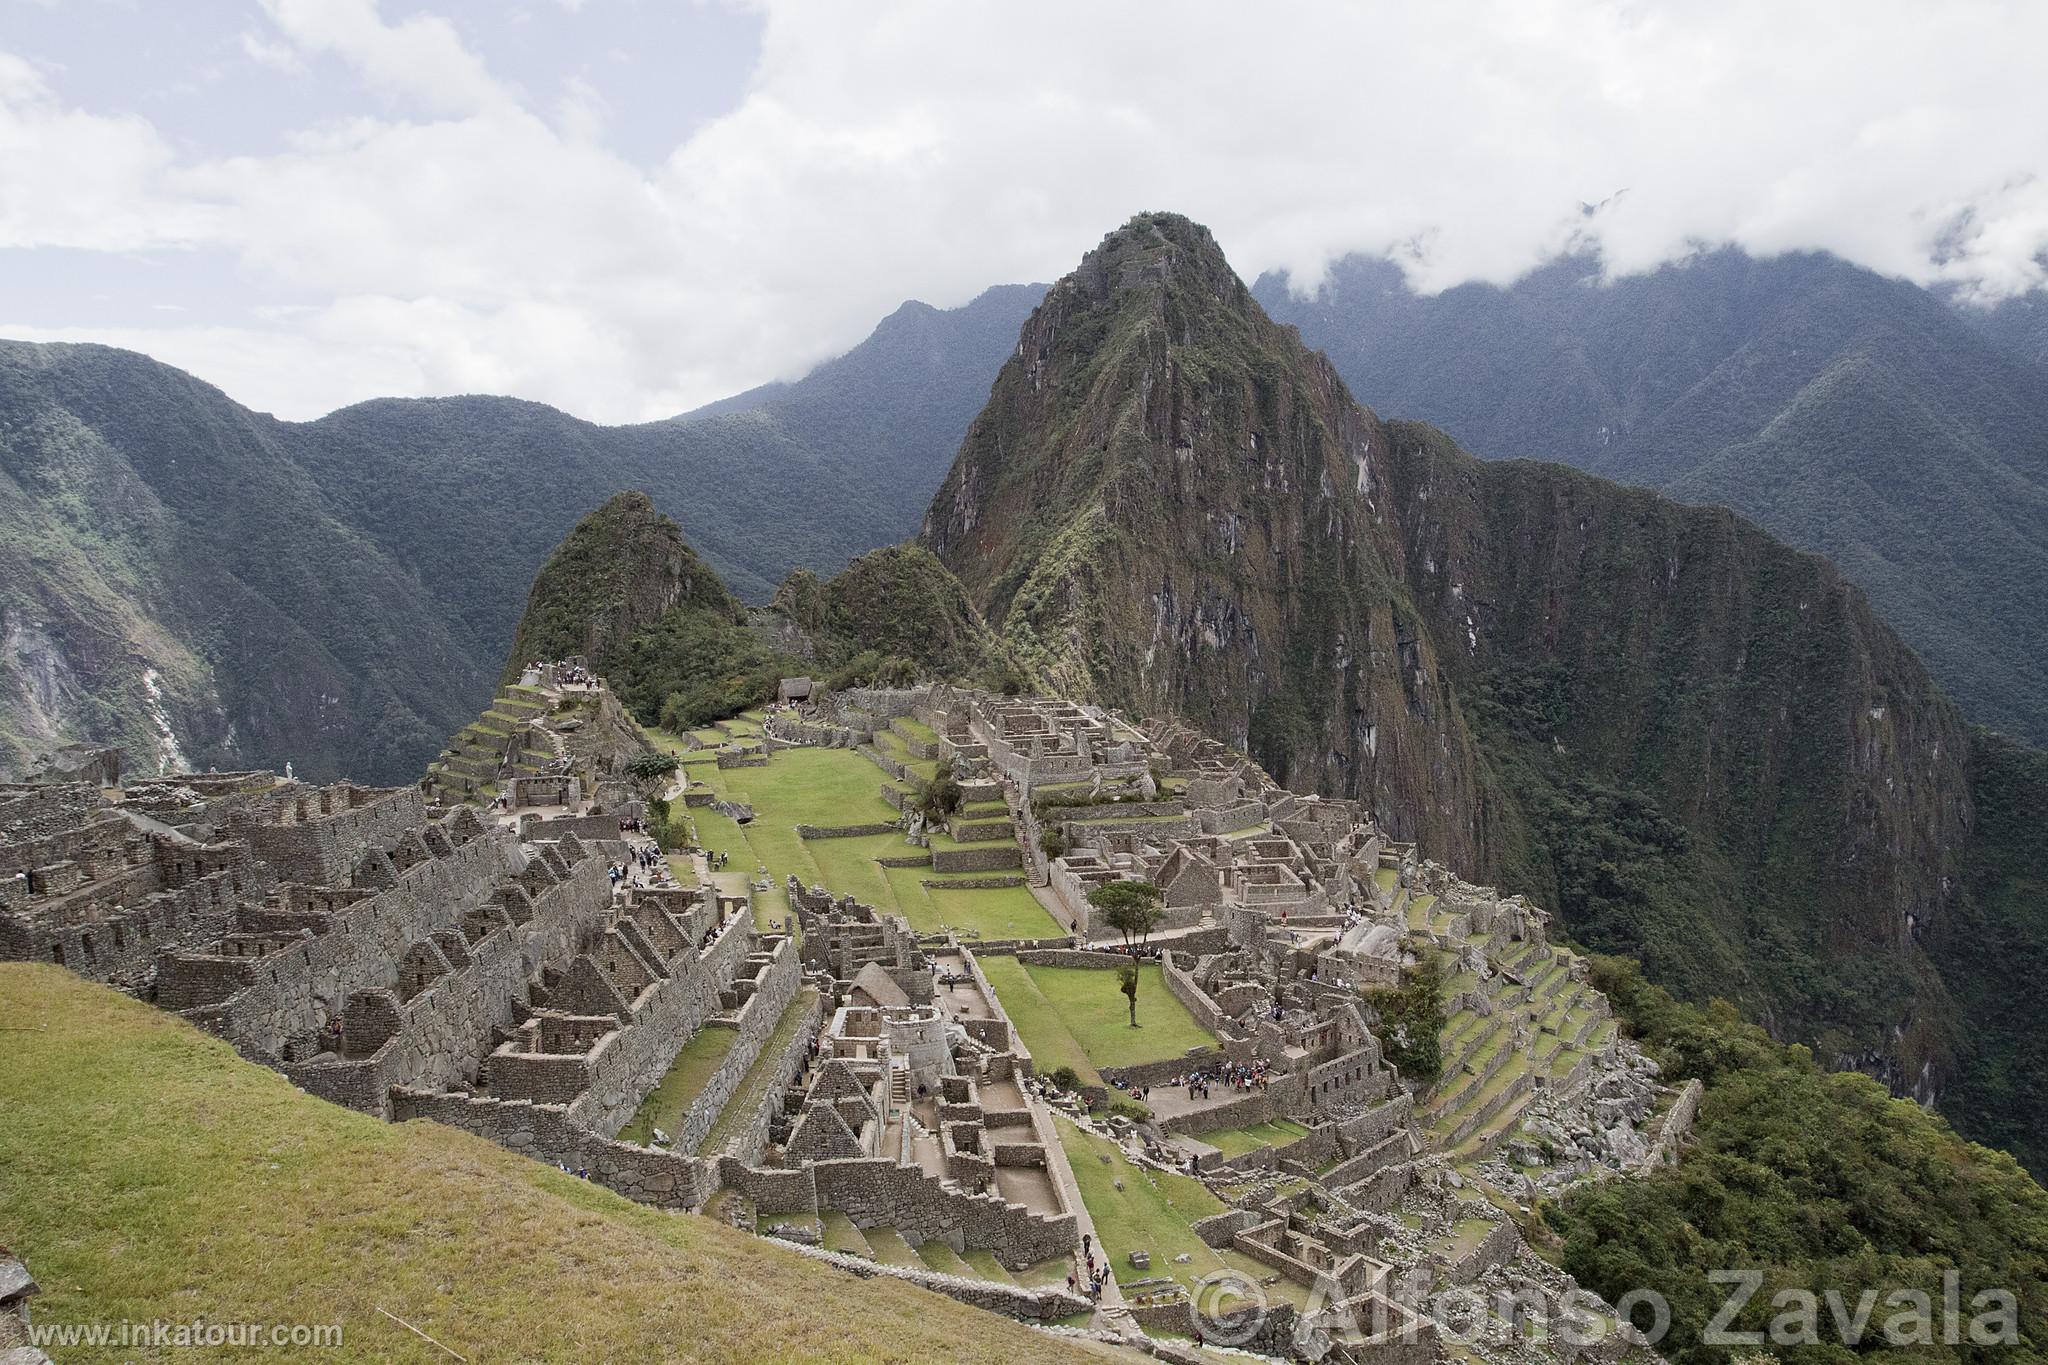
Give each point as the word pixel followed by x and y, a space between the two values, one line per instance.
pixel 664 1179
pixel 1013 1301
pixel 329 830
pixel 291 994
pixel 666 1016
pixel 992 858
pixel 443 1033
pixel 748 1142
pixel 876 1192
pixel 754 1024
pixel 845 831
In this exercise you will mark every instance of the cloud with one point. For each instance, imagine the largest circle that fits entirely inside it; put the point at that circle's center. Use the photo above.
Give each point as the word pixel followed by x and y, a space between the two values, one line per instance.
pixel 458 234
pixel 421 59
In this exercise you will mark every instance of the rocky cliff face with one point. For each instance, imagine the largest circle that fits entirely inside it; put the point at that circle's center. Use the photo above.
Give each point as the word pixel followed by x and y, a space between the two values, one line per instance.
pixel 1698 742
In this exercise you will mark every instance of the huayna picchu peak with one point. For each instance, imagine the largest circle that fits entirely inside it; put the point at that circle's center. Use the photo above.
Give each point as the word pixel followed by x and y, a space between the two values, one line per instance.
pixel 1700 745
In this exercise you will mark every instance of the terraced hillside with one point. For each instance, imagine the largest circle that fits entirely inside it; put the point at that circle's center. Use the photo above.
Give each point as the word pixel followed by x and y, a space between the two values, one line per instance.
pixel 300 1211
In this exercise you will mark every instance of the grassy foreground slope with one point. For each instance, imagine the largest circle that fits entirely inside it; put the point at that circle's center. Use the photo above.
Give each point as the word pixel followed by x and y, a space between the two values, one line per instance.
pixel 147 1172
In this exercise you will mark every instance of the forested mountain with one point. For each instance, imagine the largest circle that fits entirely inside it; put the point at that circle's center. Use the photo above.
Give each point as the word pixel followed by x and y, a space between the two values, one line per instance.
pixel 625 591
pixel 203 584
pixel 1702 746
pixel 1865 418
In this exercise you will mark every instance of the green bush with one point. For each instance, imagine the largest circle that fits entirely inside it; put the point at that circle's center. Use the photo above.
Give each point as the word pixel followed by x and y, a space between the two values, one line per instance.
pixel 1411 1019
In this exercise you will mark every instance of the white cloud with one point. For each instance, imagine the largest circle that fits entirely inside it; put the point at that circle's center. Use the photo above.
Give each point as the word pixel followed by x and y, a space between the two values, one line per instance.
pixel 461 236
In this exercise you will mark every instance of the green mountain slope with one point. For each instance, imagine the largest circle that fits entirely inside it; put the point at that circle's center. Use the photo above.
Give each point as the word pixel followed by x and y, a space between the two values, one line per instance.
pixel 626 592
pixel 176 584
pixel 340 594
pixel 1864 418
pixel 1700 745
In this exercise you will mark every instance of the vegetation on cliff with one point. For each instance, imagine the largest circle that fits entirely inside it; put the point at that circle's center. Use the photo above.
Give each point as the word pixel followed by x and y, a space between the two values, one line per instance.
pixel 1862 417
pixel 1818 1180
pixel 628 594
pixel 1993 952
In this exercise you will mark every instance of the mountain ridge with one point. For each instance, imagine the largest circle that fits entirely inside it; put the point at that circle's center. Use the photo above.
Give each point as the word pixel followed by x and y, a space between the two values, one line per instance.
pixel 1702 745
pixel 203 585
pixel 1903 435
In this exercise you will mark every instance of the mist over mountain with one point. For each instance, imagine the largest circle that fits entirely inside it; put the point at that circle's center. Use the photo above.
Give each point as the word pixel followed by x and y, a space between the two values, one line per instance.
pixel 1868 419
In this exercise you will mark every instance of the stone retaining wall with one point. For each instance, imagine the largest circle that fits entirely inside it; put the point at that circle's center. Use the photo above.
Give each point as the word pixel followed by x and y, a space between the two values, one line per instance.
pixel 1071 957
pixel 996 858
pixel 1013 1301
pixel 754 1026
pixel 545 1131
pixel 876 1192
pixel 846 831
pixel 749 1142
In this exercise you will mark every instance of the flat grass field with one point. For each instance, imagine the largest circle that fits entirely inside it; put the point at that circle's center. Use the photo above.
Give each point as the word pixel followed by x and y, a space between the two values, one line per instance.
pixel 1070 1013
pixel 147 1172
pixel 1251 1137
pixel 832 788
pixel 1152 1213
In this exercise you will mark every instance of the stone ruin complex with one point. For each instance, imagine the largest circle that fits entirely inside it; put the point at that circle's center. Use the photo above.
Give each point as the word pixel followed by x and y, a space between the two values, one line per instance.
pixel 477 964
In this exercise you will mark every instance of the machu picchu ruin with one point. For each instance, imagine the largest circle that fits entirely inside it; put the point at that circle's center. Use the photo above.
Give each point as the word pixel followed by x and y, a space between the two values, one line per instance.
pixel 891 1035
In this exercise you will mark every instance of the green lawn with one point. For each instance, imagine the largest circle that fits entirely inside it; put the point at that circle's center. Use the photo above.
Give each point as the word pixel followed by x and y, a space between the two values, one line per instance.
pixel 147 1172
pixel 687 1076
pixel 1093 1009
pixel 812 786
pixel 1077 1016
pixel 833 788
pixel 1251 1137
pixel 1152 1213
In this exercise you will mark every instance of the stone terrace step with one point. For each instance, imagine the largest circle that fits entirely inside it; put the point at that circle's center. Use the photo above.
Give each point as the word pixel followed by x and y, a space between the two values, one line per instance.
pixel 936 1255
pixel 841 1235
pixel 890 1248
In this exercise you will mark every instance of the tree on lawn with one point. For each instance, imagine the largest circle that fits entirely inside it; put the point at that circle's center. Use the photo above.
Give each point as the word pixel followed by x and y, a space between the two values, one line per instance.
pixel 1130 908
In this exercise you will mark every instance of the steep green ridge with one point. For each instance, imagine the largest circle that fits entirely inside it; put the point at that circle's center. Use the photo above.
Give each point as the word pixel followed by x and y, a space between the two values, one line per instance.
pixel 1816 1181
pixel 1699 745
pixel 896 602
pixel 340 594
pixel 154 535
pixel 1865 418
pixel 1993 949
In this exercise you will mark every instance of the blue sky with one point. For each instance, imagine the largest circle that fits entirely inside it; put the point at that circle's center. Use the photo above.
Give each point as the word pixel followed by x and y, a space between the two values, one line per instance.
pixel 627 208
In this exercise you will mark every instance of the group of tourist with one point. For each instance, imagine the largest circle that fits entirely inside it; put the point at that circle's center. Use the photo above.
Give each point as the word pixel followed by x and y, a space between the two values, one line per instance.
pixel 1092 1282
pixel 1254 1076
pixel 567 673
pixel 644 867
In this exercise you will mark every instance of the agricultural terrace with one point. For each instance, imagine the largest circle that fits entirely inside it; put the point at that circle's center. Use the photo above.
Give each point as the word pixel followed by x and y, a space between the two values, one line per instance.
pixel 836 788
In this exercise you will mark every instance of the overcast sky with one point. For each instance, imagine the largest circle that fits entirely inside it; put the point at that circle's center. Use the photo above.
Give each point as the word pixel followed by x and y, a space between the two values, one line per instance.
pixel 630 207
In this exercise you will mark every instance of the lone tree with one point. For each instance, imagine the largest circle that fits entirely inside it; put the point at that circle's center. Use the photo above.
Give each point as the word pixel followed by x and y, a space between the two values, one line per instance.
pixel 1131 908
